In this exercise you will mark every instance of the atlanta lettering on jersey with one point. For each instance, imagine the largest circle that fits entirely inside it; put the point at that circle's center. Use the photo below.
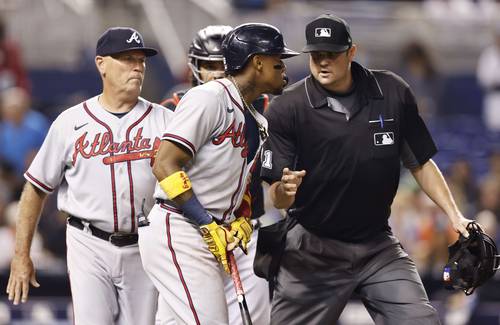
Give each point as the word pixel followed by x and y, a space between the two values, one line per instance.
pixel 137 148
pixel 237 136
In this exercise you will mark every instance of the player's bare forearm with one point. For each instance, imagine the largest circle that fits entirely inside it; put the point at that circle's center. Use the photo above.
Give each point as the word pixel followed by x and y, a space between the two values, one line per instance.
pixel 22 271
pixel 170 159
pixel 30 207
pixel 432 182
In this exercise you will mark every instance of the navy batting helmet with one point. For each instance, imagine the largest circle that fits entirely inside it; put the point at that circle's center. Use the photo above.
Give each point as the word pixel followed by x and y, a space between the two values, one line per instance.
pixel 206 46
pixel 249 39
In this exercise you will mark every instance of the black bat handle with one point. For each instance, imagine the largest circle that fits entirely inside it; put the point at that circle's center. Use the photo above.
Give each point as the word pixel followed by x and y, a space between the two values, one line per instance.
pixel 240 293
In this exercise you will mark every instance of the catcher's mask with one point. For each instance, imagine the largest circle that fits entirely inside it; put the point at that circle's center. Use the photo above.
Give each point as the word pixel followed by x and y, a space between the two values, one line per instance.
pixel 472 261
pixel 206 46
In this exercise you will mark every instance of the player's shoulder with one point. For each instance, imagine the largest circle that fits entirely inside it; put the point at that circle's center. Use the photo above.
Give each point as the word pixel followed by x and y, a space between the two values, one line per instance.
pixel 157 110
pixel 73 113
pixel 215 87
pixel 145 104
pixel 161 109
pixel 206 94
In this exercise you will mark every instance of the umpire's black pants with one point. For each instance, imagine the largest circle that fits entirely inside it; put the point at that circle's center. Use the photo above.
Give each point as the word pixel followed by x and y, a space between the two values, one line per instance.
pixel 318 276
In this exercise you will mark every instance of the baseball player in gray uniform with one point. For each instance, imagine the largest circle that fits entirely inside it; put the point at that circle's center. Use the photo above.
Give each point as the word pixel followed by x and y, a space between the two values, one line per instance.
pixel 100 154
pixel 203 173
pixel 206 64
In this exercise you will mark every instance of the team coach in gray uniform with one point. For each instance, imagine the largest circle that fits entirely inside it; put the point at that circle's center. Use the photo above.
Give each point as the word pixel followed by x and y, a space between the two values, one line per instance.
pixel 336 141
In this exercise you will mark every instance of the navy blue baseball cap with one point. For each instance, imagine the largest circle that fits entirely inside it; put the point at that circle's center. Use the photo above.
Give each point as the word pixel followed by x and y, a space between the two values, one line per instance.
pixel 121 39
pixel 328 33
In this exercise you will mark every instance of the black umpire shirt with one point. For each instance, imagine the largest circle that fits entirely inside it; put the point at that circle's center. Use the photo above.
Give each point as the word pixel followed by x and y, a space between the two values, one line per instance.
pixel 351 154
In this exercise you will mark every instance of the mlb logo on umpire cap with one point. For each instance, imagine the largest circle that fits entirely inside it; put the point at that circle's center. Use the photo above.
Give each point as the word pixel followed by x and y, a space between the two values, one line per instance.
pixel 323 32
pixel 327 33
pixel 121 39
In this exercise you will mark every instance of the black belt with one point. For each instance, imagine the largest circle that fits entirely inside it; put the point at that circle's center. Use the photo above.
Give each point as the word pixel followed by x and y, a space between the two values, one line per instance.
pixel 118 239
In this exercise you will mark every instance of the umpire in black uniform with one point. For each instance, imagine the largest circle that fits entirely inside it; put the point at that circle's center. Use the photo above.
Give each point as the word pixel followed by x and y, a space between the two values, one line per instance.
pixel 333 158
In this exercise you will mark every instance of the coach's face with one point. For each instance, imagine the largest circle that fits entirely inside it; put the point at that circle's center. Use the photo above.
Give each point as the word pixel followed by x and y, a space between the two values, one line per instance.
pixel 332 70
pixel 123 72
pixel 271 73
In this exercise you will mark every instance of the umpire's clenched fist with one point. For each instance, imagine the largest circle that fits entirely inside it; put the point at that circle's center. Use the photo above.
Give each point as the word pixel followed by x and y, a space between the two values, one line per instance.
pixel 291 180
pixel 283 192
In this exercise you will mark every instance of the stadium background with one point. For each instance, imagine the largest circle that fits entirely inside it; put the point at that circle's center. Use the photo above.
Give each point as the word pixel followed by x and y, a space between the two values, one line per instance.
pixel 435 45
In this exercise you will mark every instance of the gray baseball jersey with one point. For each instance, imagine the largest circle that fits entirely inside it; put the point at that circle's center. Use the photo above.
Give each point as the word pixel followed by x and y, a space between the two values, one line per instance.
pixel 102 165
pixel 209 123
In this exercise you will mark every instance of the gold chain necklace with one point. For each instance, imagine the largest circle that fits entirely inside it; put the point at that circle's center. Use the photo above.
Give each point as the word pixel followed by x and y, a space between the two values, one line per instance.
pixel 249 107
pixel 262 130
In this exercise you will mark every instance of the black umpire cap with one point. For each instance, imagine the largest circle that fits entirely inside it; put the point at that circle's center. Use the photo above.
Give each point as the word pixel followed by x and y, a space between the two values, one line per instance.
pixel 121 39
pixel 328 33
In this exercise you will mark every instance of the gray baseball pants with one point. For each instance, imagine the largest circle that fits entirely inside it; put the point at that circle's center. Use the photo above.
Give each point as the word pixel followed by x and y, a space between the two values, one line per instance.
pixel 318 276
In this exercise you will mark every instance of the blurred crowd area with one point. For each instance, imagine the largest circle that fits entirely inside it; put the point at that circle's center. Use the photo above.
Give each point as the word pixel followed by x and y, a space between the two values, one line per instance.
pixel 456 82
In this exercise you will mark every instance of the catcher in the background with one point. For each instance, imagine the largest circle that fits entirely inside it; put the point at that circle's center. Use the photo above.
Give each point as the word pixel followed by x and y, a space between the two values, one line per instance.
pixel 206 64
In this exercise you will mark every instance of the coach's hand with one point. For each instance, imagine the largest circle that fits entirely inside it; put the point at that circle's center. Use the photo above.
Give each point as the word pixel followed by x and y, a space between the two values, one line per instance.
pixel 242 229
pixel 22 274
pixel 218 240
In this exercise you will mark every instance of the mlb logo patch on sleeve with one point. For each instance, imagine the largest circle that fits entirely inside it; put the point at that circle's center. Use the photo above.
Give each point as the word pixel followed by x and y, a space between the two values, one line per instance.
pixel 383 138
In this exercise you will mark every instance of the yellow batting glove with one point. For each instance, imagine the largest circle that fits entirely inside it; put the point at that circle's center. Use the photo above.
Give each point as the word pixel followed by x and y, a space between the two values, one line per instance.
pixel 217 238
pixel 242 229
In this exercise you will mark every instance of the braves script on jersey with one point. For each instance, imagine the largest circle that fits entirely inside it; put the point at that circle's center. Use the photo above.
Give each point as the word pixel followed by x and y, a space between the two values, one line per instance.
pixel 101 162
pixel 210 123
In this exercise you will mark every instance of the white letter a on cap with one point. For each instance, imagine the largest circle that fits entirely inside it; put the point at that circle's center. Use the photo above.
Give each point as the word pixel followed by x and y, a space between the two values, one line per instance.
pixel 135 38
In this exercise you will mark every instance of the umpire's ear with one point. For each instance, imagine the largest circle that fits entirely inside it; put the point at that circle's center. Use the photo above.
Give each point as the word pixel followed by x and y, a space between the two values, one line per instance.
pixel 351 52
